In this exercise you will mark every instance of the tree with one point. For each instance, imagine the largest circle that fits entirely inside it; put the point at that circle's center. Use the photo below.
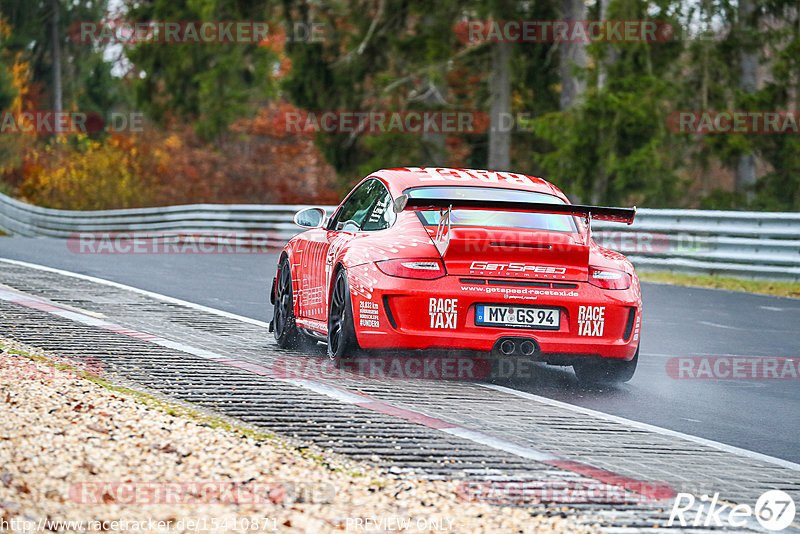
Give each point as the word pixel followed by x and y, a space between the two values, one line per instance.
pixel 208 84
pixel 779 188
pixel 7 90
pixel 500 104
pixel 500 94
pixel 611 53
pixel 572 57
pixel 58 103
pixel 38 34
pixel 748 65
pixel 614 147
pixel 385 55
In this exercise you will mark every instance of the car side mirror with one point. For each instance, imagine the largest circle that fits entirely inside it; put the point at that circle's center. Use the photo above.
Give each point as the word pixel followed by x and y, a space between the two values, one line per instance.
pixel 310 218
pixel 400 203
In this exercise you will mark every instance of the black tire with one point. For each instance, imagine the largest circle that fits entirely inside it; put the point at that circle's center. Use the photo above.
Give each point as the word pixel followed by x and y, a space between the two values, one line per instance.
pixel 606 372
pixel 286 333
pixel 342 341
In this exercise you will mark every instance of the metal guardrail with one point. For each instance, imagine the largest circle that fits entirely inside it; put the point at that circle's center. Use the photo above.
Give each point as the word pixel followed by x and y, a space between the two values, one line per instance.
pixel 741 244
pixel 271 222
pixel 731 243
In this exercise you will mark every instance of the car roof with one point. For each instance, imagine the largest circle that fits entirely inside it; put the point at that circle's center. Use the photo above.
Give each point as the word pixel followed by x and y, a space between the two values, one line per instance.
pixel 404 178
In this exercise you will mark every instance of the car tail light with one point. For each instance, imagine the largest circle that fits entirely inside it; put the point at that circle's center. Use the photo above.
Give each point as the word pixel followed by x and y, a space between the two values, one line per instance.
pixel 609 278
pixel 422 269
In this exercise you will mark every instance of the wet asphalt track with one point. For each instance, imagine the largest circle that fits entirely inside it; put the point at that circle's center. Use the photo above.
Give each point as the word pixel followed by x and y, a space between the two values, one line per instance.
pixel 759 415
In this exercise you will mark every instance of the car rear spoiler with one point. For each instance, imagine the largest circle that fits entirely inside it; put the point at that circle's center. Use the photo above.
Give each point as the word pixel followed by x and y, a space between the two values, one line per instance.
pixel 622 215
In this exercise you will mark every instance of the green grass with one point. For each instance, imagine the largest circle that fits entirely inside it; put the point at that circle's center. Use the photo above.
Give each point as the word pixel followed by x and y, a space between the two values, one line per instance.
pixel 778 289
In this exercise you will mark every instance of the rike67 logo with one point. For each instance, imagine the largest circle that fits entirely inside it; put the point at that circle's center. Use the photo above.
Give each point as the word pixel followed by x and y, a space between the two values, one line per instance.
pixel 774 510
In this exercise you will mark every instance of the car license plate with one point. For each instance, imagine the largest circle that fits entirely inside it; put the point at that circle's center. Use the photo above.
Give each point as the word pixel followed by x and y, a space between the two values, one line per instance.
pixel 517 316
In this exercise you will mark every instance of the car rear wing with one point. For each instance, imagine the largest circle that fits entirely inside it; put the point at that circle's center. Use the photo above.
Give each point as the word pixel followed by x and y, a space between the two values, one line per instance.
pixel 622 215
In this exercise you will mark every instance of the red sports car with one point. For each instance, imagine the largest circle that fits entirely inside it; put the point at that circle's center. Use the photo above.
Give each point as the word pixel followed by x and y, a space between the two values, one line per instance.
pixel 429 258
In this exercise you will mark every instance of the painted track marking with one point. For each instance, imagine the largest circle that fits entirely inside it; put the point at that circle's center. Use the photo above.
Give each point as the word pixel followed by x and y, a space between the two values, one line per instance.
pixel 585 411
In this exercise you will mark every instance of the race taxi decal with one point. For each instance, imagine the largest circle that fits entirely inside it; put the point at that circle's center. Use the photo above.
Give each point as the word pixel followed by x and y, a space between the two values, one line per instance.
pixel 368 314
pixel 591 320
pixel 443 312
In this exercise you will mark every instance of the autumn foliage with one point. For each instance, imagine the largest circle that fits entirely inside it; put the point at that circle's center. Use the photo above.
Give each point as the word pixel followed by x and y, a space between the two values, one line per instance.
pixel 84 174
pixel 257 161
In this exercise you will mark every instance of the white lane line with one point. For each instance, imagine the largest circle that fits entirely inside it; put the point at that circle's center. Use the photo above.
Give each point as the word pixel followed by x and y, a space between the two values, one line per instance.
pixel 57 304
pixel 159 296
pixel 41 304
pixel 586 411
pixel 502 444
pixel 649 428
pixel 340 394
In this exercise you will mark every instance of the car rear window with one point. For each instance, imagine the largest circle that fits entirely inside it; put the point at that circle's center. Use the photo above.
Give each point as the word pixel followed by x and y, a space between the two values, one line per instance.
pixel 494 218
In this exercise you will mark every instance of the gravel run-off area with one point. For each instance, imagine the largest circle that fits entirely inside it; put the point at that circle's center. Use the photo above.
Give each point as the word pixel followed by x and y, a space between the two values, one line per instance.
pixel 79 455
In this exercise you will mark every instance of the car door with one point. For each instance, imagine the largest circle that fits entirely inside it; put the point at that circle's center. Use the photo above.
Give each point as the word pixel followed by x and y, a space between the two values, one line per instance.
pixel 324 246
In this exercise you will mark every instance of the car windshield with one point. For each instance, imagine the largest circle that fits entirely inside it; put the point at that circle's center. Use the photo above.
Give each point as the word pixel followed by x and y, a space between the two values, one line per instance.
pixel 494 218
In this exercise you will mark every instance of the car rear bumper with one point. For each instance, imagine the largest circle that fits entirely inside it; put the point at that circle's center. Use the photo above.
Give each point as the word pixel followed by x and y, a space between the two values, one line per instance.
pixel 401 313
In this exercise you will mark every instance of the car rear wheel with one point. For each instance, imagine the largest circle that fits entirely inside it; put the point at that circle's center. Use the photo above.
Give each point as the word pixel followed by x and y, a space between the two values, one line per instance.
pixel 606 372
pixel 286 333
pixel 342 341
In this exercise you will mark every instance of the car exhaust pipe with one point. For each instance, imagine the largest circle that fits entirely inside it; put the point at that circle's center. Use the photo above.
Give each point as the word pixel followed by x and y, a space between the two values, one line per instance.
pixel 527 348
pixel 508 347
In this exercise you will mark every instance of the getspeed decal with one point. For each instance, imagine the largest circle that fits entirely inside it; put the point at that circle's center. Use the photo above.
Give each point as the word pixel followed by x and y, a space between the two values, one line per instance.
pixel 516 268
pixel 443 313
pixel 524 293
pixel 591 320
